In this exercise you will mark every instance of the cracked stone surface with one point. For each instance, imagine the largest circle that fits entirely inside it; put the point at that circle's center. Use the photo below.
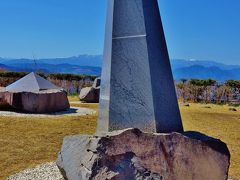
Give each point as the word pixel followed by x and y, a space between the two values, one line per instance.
pixel 137 88
pixel 132 154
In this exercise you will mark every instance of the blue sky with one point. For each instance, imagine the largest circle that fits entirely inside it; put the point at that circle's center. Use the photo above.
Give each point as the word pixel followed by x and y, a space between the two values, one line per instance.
pixel 195 29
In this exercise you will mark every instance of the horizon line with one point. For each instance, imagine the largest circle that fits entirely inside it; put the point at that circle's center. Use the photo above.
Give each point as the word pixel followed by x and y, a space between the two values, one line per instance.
pixel 76 56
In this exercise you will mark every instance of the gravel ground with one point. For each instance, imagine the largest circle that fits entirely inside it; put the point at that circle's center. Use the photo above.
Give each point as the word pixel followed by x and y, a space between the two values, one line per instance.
pixel 47 171
pixel 73 111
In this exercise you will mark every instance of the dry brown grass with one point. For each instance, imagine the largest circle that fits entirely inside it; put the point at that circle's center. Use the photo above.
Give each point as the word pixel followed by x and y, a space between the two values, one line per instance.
pixel 219 122
pixel 86 105
pixel 73 98
pixel 26 142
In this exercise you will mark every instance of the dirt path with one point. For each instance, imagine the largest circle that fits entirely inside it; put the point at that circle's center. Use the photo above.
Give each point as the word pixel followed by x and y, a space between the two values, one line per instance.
pixel 47 171
pixel 73 111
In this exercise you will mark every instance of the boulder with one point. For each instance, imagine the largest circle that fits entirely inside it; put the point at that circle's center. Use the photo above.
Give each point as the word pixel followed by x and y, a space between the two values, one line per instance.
pixel 185 104
pixel 232 109
pixel 132 154
pixel 96 83
pixel 91 94
pixel 46 101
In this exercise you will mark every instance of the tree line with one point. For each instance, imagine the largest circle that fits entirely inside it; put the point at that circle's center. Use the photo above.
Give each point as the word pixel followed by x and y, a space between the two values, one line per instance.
pixel 69 77
pixel 72 83
pixel 192 90
pixel 208 91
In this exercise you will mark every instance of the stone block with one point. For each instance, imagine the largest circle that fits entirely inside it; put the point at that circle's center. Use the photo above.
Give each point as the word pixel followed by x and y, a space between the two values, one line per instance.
pixel 132 154
pixel 36 102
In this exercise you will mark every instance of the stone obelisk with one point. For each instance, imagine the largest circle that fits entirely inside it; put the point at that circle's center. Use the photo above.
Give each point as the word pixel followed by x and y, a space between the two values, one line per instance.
pixel 137 87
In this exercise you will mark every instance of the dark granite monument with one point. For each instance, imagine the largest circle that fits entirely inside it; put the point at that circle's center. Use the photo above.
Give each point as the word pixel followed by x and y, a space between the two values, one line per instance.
pixel 137 91
pixel 137 87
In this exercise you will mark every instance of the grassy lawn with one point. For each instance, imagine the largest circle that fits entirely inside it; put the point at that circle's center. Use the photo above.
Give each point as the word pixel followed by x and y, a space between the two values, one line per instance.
pixel 217 122
pixel 27 142
pixel 73 98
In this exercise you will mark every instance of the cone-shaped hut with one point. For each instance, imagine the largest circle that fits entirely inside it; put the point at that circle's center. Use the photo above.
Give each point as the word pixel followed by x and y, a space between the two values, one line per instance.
pixel 34 94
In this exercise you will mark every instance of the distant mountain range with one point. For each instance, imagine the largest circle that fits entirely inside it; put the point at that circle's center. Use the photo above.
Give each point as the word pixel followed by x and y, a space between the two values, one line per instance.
pixel 3 67
pixel 187 69
pixel 83 64
pixel 91 65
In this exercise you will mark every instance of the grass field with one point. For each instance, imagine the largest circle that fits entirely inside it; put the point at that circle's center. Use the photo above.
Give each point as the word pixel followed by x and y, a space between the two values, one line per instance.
pixel 217 121
pixel 26 142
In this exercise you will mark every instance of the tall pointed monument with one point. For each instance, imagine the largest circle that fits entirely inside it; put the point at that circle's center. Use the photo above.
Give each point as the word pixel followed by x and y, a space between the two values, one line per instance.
pixel 137 91
pixel 137 88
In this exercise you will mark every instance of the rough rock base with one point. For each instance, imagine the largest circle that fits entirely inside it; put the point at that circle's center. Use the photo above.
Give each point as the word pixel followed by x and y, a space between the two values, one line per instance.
pixel 47 101
pixel 131 154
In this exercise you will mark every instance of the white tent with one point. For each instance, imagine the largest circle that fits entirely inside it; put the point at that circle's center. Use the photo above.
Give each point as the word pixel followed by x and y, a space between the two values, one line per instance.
pixel 31 83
